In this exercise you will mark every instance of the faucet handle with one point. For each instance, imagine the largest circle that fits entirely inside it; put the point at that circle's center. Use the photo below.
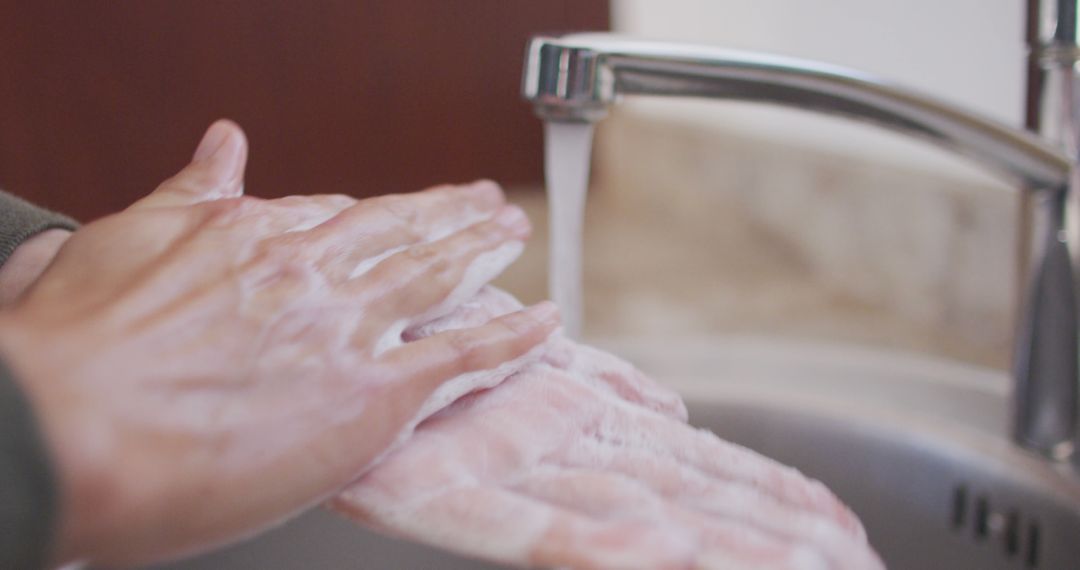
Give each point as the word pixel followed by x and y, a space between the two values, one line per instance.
pixel 1046 364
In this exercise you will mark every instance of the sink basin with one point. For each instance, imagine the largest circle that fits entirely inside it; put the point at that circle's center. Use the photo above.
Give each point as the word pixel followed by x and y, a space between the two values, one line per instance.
pixel 914 445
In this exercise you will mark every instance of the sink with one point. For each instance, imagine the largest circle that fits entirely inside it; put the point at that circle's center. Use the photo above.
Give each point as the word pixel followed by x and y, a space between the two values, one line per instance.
pixel 914 445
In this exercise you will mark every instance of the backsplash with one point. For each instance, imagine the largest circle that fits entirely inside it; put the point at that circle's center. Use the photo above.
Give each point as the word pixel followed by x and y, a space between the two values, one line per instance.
pixel 696 231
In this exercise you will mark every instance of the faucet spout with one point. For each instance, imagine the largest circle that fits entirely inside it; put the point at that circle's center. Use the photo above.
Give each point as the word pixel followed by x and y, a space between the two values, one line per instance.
pixel 577 77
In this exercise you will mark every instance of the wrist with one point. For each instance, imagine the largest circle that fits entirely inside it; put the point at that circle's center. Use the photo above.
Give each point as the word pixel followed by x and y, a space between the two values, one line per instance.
pixel 75 447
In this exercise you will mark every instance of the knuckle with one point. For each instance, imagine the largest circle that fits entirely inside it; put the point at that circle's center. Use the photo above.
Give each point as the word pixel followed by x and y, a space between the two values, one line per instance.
pixel 409 234
pixel 441 270
pixel 177 183
pixel 297 269
pixel 400 208
pixel 439 189
pixel 265 256
pixel 486 235
pixel 192 183
pixel 285 246
pixel 230 210
pixel 519 324
pixel 427 262
pixel 281 254
pixel 466 350
pixel 377 222
pixel 423 254
pixel 273 265
pixel 336 200
pixel 290 201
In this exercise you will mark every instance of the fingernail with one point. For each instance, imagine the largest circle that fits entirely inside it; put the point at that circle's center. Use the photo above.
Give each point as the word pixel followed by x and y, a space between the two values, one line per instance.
pixel 212 141
pixel 484 185
pixel 546 312
pixel 489 191
pixel 511 217
pixel 221 153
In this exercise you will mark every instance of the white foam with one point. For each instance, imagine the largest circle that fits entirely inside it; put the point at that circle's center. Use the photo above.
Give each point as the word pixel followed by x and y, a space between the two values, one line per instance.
pixel 481 271
pixel 370 262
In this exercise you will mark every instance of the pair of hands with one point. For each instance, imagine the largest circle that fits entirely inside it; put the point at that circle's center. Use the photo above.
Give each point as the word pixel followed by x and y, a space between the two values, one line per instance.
pixel 205 364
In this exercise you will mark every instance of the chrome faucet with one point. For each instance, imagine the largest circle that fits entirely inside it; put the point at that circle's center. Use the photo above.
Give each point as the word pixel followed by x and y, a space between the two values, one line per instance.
pixel 578 77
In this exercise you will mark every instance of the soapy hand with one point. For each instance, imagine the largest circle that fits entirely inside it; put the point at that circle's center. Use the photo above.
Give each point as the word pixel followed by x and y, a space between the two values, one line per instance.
pixel 205 364
pixel 577 460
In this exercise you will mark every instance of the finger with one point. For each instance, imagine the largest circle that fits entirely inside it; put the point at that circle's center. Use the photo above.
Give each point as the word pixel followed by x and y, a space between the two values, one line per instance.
pixel 429 362
pixel 606 496
pixel 572 540
pixel 411 283
pixel 282 222
pixel 421 368
pixel 488 303
pixel 615 374
pixel 728 500
pixel 352 242
pixel 216 171
pixel 704 451
pixel 473 521
pixel 309 211
pixel 635 428
pixel 731 544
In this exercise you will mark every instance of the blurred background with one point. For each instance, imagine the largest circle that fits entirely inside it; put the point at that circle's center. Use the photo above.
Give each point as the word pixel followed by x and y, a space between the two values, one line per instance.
pixel 102 100
pixel 704 218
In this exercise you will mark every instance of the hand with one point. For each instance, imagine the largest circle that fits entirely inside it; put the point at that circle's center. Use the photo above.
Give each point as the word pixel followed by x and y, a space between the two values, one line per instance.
pixel 205 364
pixel 27 262
pixel 579 461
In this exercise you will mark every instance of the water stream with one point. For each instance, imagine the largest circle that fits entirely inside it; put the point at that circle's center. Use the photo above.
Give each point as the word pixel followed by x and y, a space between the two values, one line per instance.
pixel 567 150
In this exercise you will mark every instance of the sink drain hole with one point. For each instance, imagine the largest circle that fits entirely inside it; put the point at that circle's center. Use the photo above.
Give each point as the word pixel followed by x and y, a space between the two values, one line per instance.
pixel 1032 557
pixel 1011 533
pixel 959 506
pixel 1017 534
pixel 982 517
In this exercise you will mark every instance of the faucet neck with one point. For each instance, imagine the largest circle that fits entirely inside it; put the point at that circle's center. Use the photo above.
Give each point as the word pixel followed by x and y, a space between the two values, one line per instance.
pixel 577 77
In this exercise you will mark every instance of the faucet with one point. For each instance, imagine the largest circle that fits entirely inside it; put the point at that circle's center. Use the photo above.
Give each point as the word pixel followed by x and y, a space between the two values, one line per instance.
pixel 577 78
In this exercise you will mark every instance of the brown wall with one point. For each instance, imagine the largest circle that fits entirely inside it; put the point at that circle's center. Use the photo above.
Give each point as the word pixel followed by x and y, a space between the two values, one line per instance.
pixel 99 100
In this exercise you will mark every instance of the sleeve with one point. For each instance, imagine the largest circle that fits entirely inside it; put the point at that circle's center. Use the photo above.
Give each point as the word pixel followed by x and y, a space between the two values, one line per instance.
pixel 20 220
pixel 28 497
pixel 28 489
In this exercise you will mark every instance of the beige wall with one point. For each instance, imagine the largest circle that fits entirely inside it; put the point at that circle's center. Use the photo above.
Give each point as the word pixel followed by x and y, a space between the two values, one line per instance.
pixel 969 52
pixel 817 226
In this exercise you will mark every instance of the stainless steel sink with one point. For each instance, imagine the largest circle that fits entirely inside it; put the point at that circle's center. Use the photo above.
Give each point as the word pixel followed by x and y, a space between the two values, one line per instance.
pixel 916 446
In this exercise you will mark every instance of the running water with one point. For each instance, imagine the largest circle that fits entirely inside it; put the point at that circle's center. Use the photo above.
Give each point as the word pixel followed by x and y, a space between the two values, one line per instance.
pixel 567 149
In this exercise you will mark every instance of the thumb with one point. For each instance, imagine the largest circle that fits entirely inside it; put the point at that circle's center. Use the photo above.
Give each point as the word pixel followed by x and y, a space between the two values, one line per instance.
pixel 216 170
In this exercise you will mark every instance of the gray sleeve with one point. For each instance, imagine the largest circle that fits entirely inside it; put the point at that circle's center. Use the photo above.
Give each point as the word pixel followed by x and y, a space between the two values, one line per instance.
pixel 28 489
pixel 20 220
